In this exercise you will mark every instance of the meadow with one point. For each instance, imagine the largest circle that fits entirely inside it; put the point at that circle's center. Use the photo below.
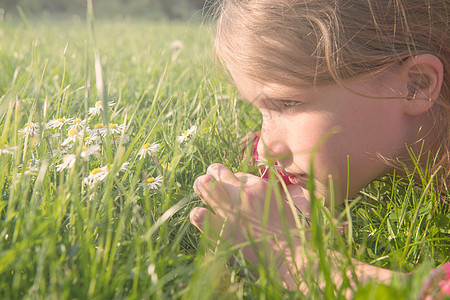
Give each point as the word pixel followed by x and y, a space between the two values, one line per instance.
pixel 105 125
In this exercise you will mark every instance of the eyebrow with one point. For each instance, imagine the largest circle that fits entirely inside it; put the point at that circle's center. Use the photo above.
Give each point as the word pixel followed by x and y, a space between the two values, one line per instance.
pixel 264 97
pixel 291 94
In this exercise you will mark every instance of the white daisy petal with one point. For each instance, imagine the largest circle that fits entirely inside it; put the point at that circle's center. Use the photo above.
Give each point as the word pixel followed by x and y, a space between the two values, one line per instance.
pixel 58 123
pixel 95 176
pixel 97 109
pixel 152 183
pixel 30 129
pixel 89 151
pixel 73 135
pixel 78 124
pixel 68 162
pixel 148 149
pixel 183 137
pixel 7 150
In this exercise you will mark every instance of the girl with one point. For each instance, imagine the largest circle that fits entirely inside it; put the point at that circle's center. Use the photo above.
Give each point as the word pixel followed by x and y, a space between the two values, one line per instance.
pixel 347 91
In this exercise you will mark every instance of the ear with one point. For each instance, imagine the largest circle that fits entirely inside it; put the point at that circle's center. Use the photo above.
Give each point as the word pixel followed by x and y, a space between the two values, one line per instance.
pixel 423 75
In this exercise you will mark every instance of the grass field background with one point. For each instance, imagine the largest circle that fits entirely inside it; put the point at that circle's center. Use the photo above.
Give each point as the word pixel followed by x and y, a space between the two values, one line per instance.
pixel 63 236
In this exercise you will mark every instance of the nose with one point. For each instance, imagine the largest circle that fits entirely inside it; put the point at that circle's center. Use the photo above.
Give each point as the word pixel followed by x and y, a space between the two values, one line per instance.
pixel 273 143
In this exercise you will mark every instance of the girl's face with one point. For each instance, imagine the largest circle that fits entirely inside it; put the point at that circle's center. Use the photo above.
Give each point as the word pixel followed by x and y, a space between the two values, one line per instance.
pixel 349 133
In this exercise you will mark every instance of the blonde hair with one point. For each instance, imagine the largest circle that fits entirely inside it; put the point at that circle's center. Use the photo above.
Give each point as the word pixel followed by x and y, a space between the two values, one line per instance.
pixel 308 42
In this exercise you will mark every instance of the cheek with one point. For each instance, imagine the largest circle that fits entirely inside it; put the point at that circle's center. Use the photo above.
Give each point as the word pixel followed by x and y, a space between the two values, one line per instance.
pixel 310 132
pixel 315 137
pixel 328 137
pixel 352 154
pixel 377 130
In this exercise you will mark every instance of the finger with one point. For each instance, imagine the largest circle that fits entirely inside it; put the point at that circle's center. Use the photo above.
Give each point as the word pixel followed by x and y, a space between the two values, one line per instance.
pixel 221 173
pixel 249 179
pixel 213 194
pixel 197 216
pixel 238 186
pixel 217 229
pixel 198 186
pixel 212 225
pixel 203 186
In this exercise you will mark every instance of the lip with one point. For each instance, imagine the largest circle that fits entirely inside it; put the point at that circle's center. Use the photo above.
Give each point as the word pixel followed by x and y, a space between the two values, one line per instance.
pixel 297 179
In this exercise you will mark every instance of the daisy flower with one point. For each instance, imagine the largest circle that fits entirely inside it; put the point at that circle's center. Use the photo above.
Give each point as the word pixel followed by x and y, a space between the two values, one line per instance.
pixel 176 45
pixel 99 174
pixel 30 129
pixel 67 163
pixel 152 183
pixel 97 109
pixel 73 135
pixel 32 167
pixel 124 167
pixel 88 151
pixel 148 149
pixel 62 149
pixel 95 176
pixel 98 131
pixel 30 170
pixel 78 124
pixel 57 123
pixel 116 129
pixel 31 163
pixel 89 140
pixel 4 149
pixel 187 134
pixel 119 139
pixel 51 135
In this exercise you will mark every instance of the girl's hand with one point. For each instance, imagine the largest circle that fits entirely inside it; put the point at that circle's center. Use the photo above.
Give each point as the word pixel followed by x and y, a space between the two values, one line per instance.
pixel 245 213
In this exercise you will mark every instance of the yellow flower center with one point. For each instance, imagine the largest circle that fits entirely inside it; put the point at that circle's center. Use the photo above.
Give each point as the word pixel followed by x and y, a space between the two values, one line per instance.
pixel 112 126
pixel 86 139
pixel 76 121
pixel 98 126
pixel 61 120
pixel 146 145
pixel 99 104
pixel 95 171
pixel 82 148
pixel 72 132
pixel 27 168
pixel 150 179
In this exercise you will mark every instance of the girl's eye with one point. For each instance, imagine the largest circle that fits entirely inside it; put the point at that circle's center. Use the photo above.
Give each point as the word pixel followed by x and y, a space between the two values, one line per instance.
pixel 289 103
pixel 281 105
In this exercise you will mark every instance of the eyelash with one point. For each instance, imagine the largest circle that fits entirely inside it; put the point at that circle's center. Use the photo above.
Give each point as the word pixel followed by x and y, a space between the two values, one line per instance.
pixel 281 105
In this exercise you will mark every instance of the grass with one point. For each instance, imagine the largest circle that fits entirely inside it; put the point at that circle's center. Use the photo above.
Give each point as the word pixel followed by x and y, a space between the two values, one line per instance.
pixel 61 238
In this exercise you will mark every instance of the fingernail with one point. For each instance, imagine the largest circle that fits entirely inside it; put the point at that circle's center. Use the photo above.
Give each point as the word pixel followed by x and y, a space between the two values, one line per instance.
pixel 211 168
pixel 194 217
pixel 196 187
pixel 193 214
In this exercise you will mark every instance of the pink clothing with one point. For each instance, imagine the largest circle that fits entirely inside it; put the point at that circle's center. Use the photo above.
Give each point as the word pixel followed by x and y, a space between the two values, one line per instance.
pixel 437 286
pixel 256 159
